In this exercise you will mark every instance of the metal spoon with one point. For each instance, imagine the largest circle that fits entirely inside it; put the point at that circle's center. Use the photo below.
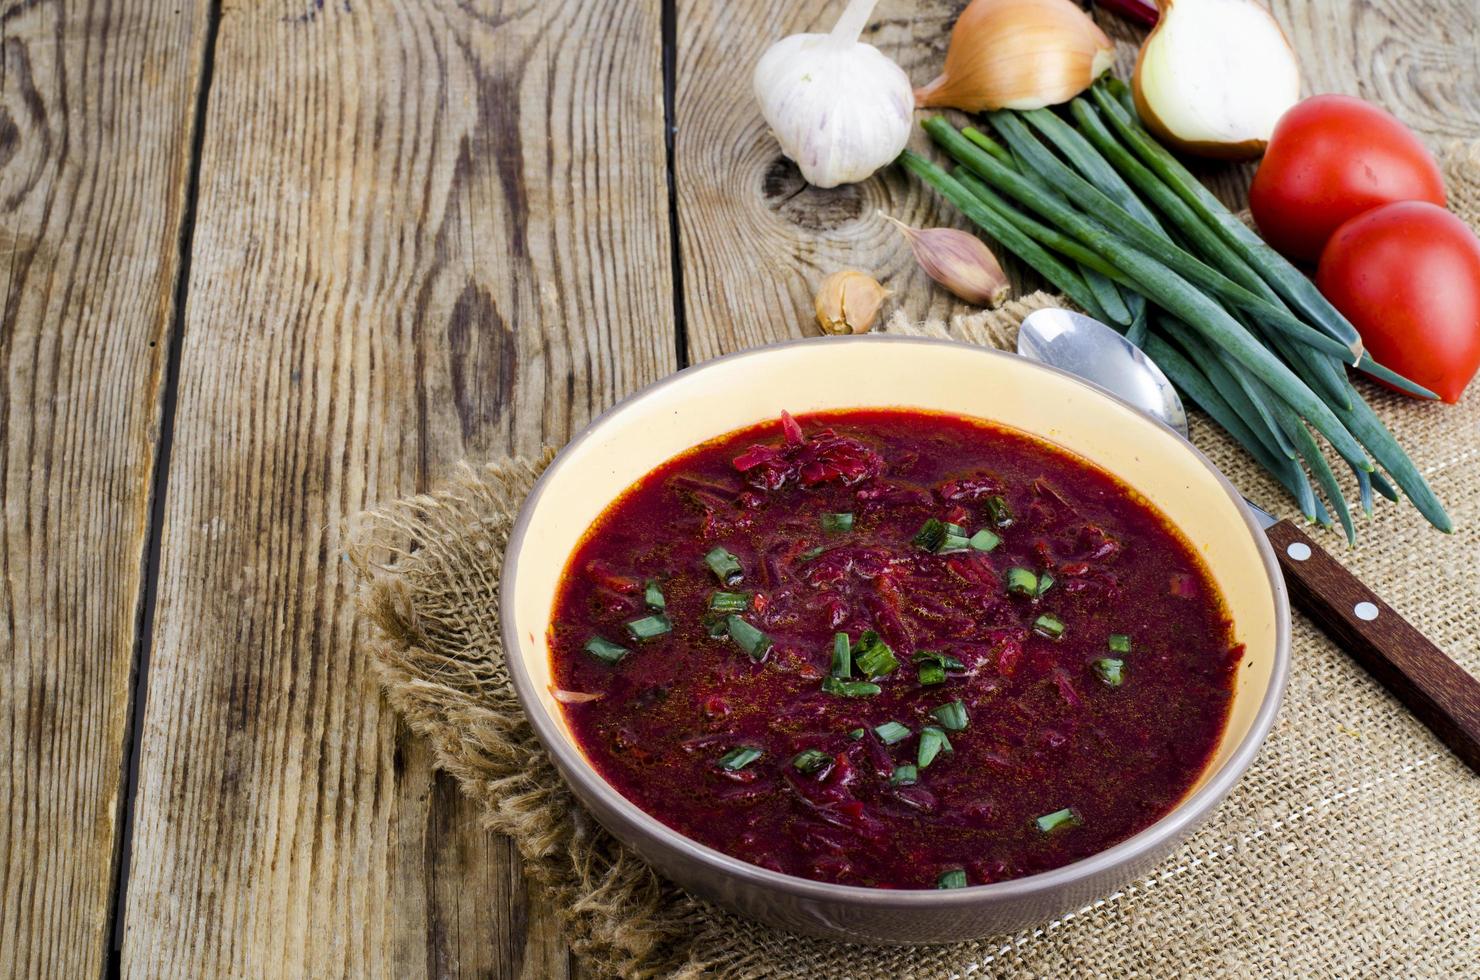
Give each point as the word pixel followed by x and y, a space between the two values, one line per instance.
pixel 1436 689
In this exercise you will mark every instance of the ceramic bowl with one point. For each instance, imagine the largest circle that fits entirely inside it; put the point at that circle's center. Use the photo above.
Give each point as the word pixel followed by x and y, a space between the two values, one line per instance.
pixel 717 397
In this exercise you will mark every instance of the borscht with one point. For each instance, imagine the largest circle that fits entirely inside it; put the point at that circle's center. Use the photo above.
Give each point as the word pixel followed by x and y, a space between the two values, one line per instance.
pixel 892 648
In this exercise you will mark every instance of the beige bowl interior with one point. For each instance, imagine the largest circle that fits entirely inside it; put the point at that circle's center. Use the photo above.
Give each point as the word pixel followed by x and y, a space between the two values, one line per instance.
pixel 875 372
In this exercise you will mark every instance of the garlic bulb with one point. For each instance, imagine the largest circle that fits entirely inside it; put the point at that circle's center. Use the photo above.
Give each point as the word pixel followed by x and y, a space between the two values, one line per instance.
pixel 1018 54
pixel 838 107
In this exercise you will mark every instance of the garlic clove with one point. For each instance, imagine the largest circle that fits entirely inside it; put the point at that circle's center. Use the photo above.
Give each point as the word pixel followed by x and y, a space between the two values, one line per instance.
pixel 848 301
pixel 1215 76
pixel 839 108
pixel 1018 54
pixel 959 261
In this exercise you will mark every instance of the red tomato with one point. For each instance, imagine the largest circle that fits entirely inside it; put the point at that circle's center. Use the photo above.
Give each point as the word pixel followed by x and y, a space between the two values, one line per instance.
pixel 1331 158
pixel 1407 276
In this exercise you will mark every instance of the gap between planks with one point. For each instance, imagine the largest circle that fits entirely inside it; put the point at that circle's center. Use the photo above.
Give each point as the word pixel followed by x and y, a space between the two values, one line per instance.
pixel 670 130
pixel 153 532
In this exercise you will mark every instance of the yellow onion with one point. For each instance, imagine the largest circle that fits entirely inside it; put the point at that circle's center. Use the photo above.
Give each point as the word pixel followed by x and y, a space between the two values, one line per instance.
pixel 1018 54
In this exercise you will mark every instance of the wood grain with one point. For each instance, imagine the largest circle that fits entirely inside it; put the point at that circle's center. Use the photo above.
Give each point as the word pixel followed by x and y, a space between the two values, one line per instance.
pixel 426 230
pixel 1419 60
pixel 96 110
pixel 1438 691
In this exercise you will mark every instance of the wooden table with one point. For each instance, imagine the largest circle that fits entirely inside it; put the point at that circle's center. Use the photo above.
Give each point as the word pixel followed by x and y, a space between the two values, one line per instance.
pixel 270 263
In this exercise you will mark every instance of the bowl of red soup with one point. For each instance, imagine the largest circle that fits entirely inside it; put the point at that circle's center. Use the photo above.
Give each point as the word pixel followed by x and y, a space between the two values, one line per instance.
pixel 892 639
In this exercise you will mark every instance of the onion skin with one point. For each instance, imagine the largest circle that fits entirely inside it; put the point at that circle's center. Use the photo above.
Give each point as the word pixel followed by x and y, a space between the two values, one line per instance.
pixel 1018 54
pixel 1213 149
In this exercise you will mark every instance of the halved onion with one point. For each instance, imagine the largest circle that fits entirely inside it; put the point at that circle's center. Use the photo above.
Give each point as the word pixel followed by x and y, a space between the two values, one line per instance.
pixel 1214 77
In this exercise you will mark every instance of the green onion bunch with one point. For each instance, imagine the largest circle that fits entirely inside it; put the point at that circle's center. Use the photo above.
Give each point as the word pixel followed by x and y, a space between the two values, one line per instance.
pixel 1108 216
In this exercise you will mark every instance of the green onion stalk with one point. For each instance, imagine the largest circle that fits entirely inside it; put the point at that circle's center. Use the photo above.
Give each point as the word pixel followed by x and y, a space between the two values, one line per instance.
pixel 1107 215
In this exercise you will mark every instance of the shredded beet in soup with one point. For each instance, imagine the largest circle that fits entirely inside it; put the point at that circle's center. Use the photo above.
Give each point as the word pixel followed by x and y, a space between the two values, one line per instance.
pixel 892 648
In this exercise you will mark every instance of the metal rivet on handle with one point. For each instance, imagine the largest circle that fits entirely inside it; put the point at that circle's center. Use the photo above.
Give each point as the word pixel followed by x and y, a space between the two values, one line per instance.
pixel 1365 610
pixel 1300 551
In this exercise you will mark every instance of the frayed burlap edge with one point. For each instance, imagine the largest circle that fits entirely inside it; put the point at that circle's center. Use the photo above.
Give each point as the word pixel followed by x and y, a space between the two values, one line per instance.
pixel 430 566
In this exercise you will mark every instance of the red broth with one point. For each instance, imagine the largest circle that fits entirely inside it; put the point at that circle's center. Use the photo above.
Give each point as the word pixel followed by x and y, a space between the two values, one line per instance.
pixel 1077 711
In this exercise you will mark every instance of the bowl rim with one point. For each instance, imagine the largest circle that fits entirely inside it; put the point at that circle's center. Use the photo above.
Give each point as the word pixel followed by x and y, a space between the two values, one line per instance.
pixel 574 767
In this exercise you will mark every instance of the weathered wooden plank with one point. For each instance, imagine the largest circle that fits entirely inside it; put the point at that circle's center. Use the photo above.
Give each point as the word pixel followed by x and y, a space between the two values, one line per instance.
pixel 426 230
pixel 1419 60
pixel 456 924
pixel 96 108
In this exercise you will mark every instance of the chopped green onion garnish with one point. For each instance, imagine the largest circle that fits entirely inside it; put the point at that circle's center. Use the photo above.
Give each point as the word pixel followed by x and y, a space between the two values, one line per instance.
pixel 1059 818
pixel 653 596
pixel 811 553
pixel 904 776
pixel 842 657
pixel 932 742
pixel 1048 625
pixel 716 625
pixel 1022 581
pixel 931 534
pixel 649 627
pixel 606 650
pixel 873 657
pixel 941 538
pixel 811 760
pixel 1111 671
pixel 728 602
pixel 954 878
pixel 952 717
pixel 891 732
pixel 998 513
pixel 837 523
pixel 936 657
pixel 984 540
pixel 1120 643
pixel 1045 582
pixel 850 689
pixel 856 734
pixel 725 566
pixel 751 640
pixel 737 759
pixel 933 666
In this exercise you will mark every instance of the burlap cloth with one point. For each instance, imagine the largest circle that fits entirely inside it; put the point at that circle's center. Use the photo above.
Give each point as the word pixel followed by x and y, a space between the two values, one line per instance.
pixel 1351 846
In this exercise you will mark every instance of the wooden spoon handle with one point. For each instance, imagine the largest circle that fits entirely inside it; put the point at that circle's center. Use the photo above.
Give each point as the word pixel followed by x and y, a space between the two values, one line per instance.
pixel 1439 691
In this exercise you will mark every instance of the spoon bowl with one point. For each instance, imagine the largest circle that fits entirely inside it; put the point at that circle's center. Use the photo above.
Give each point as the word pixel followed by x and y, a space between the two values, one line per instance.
pixel 1089 349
